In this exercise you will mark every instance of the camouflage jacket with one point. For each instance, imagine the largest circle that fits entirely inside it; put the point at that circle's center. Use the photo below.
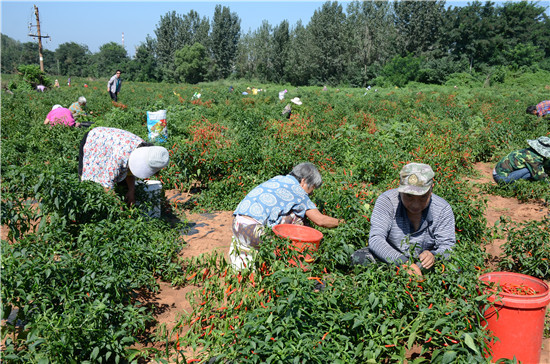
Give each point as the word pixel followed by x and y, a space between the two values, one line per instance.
pixel 524 158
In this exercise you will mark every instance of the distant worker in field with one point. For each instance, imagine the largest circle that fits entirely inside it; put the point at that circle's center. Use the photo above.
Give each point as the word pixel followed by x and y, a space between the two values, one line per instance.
pixel 542 109
pixel 531 163
pixel 110 156
pixel 113 86
pixel 60 116
pixel 56 84
pixel 78 107
pixel 409 220
pixel 280 200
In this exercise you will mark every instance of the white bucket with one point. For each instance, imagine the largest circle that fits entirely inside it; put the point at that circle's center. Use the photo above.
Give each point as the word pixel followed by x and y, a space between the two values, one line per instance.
pixel 153 191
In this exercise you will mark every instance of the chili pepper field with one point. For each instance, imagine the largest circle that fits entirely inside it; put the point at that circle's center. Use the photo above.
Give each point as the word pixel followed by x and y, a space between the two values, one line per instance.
pixel 76 262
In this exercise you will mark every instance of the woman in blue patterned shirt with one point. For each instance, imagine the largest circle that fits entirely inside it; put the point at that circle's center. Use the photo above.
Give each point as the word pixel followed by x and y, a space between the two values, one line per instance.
pixel 280 200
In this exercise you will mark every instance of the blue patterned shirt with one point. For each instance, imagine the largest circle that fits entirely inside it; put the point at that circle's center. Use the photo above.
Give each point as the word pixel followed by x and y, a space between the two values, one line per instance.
pixel 269 202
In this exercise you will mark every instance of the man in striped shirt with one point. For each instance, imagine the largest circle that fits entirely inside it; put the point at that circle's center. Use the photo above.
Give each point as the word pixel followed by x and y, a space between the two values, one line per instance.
pixel 410 223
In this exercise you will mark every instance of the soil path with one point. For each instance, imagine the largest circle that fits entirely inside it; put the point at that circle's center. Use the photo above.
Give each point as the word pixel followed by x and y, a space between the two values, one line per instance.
pixel 212 231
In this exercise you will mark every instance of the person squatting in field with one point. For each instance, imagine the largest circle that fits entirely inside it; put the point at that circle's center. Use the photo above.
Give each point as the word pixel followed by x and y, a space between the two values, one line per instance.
pixel 531 163
pixel 280 200
pixel 408 220
pixel 110 156
pixel 78 107
pixel 542 109
pixel 60 116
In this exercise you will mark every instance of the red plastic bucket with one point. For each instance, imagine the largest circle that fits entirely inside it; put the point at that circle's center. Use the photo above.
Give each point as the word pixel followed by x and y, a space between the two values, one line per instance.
pixel 517 321
pixel 303 238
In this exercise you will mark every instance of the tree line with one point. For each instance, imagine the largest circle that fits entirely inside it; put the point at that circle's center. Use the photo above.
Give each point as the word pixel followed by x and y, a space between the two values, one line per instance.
pixel 368 42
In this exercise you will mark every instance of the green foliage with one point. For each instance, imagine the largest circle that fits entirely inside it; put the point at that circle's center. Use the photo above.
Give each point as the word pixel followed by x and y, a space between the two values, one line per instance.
pixel 31 76
pixel 226 29
pixel 402 70
pixel 527 248
pixel 192 63
pixel 70 234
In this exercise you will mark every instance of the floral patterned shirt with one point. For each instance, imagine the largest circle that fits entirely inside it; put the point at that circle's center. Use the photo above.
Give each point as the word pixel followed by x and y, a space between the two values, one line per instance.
pixel 106 155
pixel 269 202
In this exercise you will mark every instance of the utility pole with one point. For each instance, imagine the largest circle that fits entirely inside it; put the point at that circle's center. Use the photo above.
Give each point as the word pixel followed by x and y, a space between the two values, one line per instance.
pixel 39 36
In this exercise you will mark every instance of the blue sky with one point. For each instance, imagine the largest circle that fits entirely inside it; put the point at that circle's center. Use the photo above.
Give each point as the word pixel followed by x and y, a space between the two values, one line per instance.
pixel 94 23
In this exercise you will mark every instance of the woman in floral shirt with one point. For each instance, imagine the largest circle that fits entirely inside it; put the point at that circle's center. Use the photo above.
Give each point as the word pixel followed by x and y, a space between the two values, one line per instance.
pixel 109 156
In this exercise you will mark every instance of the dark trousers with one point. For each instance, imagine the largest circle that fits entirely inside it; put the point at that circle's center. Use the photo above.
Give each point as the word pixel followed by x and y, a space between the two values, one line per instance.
pixel 114 96
pixel 81 154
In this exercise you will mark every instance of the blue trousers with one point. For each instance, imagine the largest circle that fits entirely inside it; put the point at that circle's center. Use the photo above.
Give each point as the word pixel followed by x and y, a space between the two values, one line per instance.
pixel 515 175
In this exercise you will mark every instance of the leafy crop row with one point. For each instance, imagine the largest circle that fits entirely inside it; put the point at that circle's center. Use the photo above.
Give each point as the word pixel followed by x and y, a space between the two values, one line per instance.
pixel 75 259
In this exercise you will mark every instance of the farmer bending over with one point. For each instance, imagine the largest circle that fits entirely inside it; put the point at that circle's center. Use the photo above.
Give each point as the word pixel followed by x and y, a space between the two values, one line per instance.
pixel 60 116
pixel 542 109
pixel 531 163
pixel 410 218
pixel 109 156
pixel 280 200
pixel 78 107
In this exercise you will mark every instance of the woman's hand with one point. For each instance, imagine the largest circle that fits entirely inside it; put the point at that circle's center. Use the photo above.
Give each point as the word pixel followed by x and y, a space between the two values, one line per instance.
pixel 427 259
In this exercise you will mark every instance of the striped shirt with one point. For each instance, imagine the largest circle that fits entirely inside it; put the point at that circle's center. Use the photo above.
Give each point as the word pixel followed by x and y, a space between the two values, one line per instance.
pixel 391 233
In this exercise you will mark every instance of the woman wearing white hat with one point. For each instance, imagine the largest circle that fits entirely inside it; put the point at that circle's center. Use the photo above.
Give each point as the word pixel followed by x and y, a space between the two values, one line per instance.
pixel 109 156
pixel 531 163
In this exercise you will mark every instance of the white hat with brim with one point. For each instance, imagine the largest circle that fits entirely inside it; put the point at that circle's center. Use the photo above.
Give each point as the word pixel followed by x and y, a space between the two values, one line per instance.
pixel 146 161
pixel 297 101
pixel 541 145
pixel 57 106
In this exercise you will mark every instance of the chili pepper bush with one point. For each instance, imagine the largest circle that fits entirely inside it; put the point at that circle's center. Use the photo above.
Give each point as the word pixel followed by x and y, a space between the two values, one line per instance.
pixel 74 258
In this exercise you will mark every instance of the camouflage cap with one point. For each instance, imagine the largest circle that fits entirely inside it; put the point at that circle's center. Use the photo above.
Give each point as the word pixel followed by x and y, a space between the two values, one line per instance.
pixel 415 179
pixel 541 145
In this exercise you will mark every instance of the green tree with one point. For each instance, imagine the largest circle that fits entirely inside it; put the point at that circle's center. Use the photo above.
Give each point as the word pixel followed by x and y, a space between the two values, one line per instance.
pixel 372 40
pixel 111 56
pixel 195 29
pixel 471 33
pixel 328 37
pixel 143 67
pixel 298 68
pixel 281 44
pixel 262 52
pixel 11 54
pixel 192 63
pixel 171 36
pixel 523 23
pixel 402 70
pixel 419 25
pixel 226 29
pixel 73 58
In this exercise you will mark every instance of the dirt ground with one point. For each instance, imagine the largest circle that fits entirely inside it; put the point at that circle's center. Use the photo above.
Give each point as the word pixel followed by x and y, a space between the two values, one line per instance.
pixel 213 231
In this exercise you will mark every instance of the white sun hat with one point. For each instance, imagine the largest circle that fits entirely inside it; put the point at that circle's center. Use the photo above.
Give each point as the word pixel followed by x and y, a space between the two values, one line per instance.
pixel 297 101
pixel 146 161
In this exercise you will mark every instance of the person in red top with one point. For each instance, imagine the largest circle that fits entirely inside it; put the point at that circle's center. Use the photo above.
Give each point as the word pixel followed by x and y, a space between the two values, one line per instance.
pixel 542 109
